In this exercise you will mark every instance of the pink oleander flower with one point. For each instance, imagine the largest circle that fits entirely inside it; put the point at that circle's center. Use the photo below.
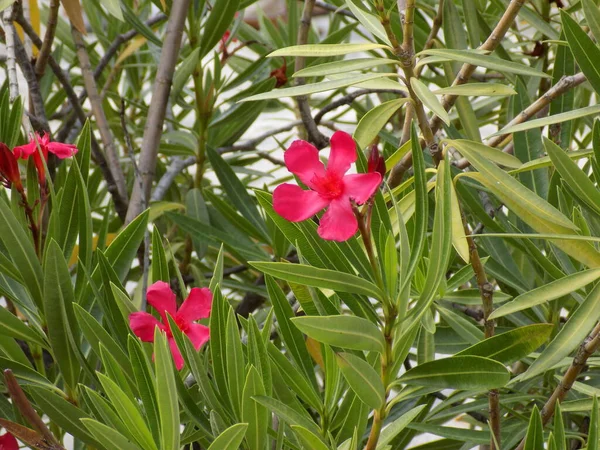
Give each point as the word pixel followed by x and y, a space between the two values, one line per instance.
pixel 328 187
pixel 9 168
pixel 196 306
pixel 59 149
pixel 8 442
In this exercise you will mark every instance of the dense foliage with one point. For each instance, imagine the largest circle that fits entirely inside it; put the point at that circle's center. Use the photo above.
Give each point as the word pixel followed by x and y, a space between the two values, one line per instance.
pixel 346 225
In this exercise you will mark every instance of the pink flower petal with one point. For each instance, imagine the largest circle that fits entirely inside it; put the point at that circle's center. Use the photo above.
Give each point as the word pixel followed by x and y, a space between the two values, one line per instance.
pixel 198 334
pixel 196 306
pixel 8 442
pixel 177 358
pixel 296 204
pixel 143 324
pixel 61 150
pixel 343 153
pixel 25 151
pixel 302 159
pixel 161 297
pixel 338 223
pixel 361 186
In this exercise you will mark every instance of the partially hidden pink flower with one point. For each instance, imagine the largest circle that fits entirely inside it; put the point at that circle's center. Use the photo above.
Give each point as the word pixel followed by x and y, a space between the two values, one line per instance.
pixel 8 442
pixel 59 149
pixel 161 297
pixel 9 168
pixel 329 187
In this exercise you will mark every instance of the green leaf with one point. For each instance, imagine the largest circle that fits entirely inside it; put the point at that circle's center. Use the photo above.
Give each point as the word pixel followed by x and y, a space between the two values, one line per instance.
pixel 577 180
pixel 550 120
pixel 344 66
pixel 321 50
pixel 559 429
pixel 369 21
pixel 396 427
pixel 322 278
pixel 350 332
pixel 513 345
pixel 534 440
pixel 159 267
pixel 592 15
pixel 569 337
pixel 323 86
pixel 129 413
pixel 287 413
pixel 482 60
pixel 253 413
pixel 110 437
pixel 458 372
pixel 429 99
pixel 551 291
pixel 183 72
pixel 58 305
pixel 308 439
pixel 363 379
pixel 584 50
pixel 235 363
pixel 454 433
pixel 166 393
pixel 459 240
pixel 373 121
pixel 14 327
pixel 477 89
pixel 593 433
pixel 220 18
pixel 114 8
pixel 231 438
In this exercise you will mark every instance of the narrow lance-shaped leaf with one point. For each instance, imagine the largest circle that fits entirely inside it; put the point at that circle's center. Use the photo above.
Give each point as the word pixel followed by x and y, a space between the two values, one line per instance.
pixel 363 379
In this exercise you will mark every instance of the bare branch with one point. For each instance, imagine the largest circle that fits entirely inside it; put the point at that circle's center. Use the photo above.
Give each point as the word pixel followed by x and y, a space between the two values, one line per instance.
pixel 46 49
pixel 349 98
pixel 158 105
pixel 175 168
pixel 112 158
pixel 11 63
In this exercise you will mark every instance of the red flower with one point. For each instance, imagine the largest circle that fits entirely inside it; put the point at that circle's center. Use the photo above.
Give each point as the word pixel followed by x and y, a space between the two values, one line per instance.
pixel 161 297
pixel 328 187
pixel 8 441
pixel 376 163
pixel 61 150
pixel 9 168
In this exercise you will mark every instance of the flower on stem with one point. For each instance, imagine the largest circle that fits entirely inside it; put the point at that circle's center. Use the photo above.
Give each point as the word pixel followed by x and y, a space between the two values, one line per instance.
pixel 376 163
pixel 9 168
pixel 328 187
pixel 8 441
pixel 161 297
pixel 59 149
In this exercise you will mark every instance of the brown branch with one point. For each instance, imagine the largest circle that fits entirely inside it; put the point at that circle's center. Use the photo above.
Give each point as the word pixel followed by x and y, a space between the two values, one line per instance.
pixel 46 48
pixel 586 349
pixel 112 158
pixel 158 105
pixel 312 130
pixel 22 403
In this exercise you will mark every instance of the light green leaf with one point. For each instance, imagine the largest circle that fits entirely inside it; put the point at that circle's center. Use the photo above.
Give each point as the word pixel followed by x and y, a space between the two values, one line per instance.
pixel 534 439
pixel 109 437
pixel 569 337
pixel 184 71
pixel 429 99
pixel 317 277
pixel 551 291
pixel 253 413
pixel 373 121
pixel 363 379
pixel 369 21
pixel 320 50
pixel 350 332
pixel 114 8
pixel 586 53
pixel 323 86
pixel 511 346
pixel 287 413
pixel 344 66
pixel 231 438
pixel 459 372
pixel 477 89
pixel 14 327
pixel 476 58
pixel 309 439
pixel 550 120
pixel 396 427
pixel 166 393
pixel 592 15
pixel 459 240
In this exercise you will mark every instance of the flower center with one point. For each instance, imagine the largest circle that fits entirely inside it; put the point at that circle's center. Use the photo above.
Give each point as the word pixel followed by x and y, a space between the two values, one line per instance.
pixel 329 186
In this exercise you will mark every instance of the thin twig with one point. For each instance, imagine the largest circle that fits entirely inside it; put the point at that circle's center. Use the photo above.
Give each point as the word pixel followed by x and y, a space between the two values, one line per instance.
pixel 46 49
pixel 11 62
pixel 312 130
pixel 112 157
pixel 349 98
pixel 334 9
pixel 251 144
pixel 158 105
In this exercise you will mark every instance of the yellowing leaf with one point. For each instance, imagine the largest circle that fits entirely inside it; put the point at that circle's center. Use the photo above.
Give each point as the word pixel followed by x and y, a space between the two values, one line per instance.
pixel 73 9
pixel 131 48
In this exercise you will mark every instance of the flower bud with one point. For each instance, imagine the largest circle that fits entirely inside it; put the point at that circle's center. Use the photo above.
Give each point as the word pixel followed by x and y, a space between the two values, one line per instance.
pixel 9 168
pixel 376 163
